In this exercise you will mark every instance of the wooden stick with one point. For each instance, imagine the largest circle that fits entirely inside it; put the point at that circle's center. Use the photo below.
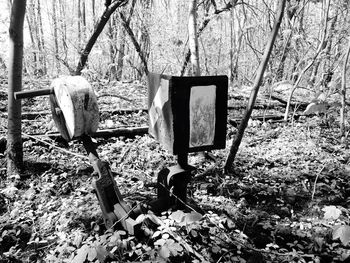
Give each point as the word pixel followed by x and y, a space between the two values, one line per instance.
pixel 127 131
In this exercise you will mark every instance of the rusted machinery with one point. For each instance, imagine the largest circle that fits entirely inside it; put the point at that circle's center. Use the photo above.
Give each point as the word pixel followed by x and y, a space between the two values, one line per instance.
pixel 186 114
pixel 75 112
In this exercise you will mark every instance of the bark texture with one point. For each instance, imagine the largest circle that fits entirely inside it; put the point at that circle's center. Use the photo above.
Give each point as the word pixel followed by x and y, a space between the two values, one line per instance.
pixel 98 29
pixel 14 136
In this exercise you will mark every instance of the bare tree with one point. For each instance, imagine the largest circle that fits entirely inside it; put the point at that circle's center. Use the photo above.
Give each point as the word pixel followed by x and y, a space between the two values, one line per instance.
pixel 122 39
pixel 203 25
pixel 136 44
pixel 35 25
pixel 14 136
pixel 55 35
pixel 259 76
pixel 98 29
pixel 321 46
pixel 343 93
pixel 193 38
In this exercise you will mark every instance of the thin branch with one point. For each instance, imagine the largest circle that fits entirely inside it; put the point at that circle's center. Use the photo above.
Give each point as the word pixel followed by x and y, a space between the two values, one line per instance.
pixel 98 29
pixel 204 24
pixel 321 46
pixel 137 46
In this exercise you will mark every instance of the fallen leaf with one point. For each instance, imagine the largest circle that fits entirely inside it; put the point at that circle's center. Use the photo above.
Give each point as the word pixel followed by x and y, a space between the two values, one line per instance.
pixel 81 255
pixel 9 191
pixel 343 233
pixel 177 216
pixel 192 217
pixel 92 254
pixel 164 252
pixel 331 212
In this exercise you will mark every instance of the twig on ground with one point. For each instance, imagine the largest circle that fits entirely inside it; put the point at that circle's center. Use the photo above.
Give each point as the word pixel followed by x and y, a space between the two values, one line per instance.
pixel 314 189
pixel 114 95
pixel 56 147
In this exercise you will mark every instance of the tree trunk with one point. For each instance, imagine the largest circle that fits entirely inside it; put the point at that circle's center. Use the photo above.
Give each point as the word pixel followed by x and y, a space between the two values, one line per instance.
pixel 343 95
pixel 259 76
pixel 142 38
pixel 122 41
pixel 98 29
pixel 203 25
pixel 135 43
pixel 83 17
pixel 14 136
pixel 30 17
pixel 93 11
pixel 41 40
pixel 55 35
pixel 321 46
pixel 280 69
pixel 63 36
pixel 113 33
pixel 79 25
pixel 193 38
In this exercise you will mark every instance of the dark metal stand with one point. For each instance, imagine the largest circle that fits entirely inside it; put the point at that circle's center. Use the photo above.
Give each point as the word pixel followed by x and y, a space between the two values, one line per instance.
pixel 172 186
pixel 171 190
pixel 114 208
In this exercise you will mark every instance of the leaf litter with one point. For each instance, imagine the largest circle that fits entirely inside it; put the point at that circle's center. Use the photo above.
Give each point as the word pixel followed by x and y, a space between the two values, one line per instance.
pixel 287 200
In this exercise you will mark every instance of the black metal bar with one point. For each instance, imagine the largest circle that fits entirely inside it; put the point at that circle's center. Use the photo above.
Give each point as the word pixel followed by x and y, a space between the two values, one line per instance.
pixel 89 146
pixel 32 93
pixel 182 160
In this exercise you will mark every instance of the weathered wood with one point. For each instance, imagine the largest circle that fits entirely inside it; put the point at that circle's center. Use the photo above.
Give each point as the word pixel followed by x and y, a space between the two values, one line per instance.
pixel 34 115
pixel 107 133
pixel 128 132
pixel 269 117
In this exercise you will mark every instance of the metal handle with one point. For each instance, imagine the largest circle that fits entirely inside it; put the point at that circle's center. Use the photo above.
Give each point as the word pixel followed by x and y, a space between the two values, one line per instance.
pixel 33 93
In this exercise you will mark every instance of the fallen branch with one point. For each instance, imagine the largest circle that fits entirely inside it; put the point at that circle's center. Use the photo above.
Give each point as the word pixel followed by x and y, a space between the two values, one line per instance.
pixel 315 183
pixel 278 117
pixel 107 133
pixel 114 95
pixel 54 146
pixel 34 115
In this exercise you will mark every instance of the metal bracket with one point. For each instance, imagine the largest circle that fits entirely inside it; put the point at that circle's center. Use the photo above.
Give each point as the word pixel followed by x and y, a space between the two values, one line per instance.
pixel 172 187
pixel 114 208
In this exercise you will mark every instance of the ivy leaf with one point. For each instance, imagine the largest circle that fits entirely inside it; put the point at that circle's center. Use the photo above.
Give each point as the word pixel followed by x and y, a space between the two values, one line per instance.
pixel 155 219
pixel 343 233
pixel 78 239
pixel 140 219
pixel 10 191
pixel 174 247
pixel 160 242
pixel 177 216
pixel 331 212
pixel 81 255
pixel 102 254
pixel 157 233
pixel 92 254
pixel 192 217
pixel 164 252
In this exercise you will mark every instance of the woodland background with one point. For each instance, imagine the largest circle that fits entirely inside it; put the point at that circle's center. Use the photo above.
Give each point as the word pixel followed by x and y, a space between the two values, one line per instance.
pixel 287 197
pixel 231 43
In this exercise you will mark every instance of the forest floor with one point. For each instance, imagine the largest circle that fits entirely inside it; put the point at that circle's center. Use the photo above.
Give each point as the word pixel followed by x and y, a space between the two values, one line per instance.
pixel 286 201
